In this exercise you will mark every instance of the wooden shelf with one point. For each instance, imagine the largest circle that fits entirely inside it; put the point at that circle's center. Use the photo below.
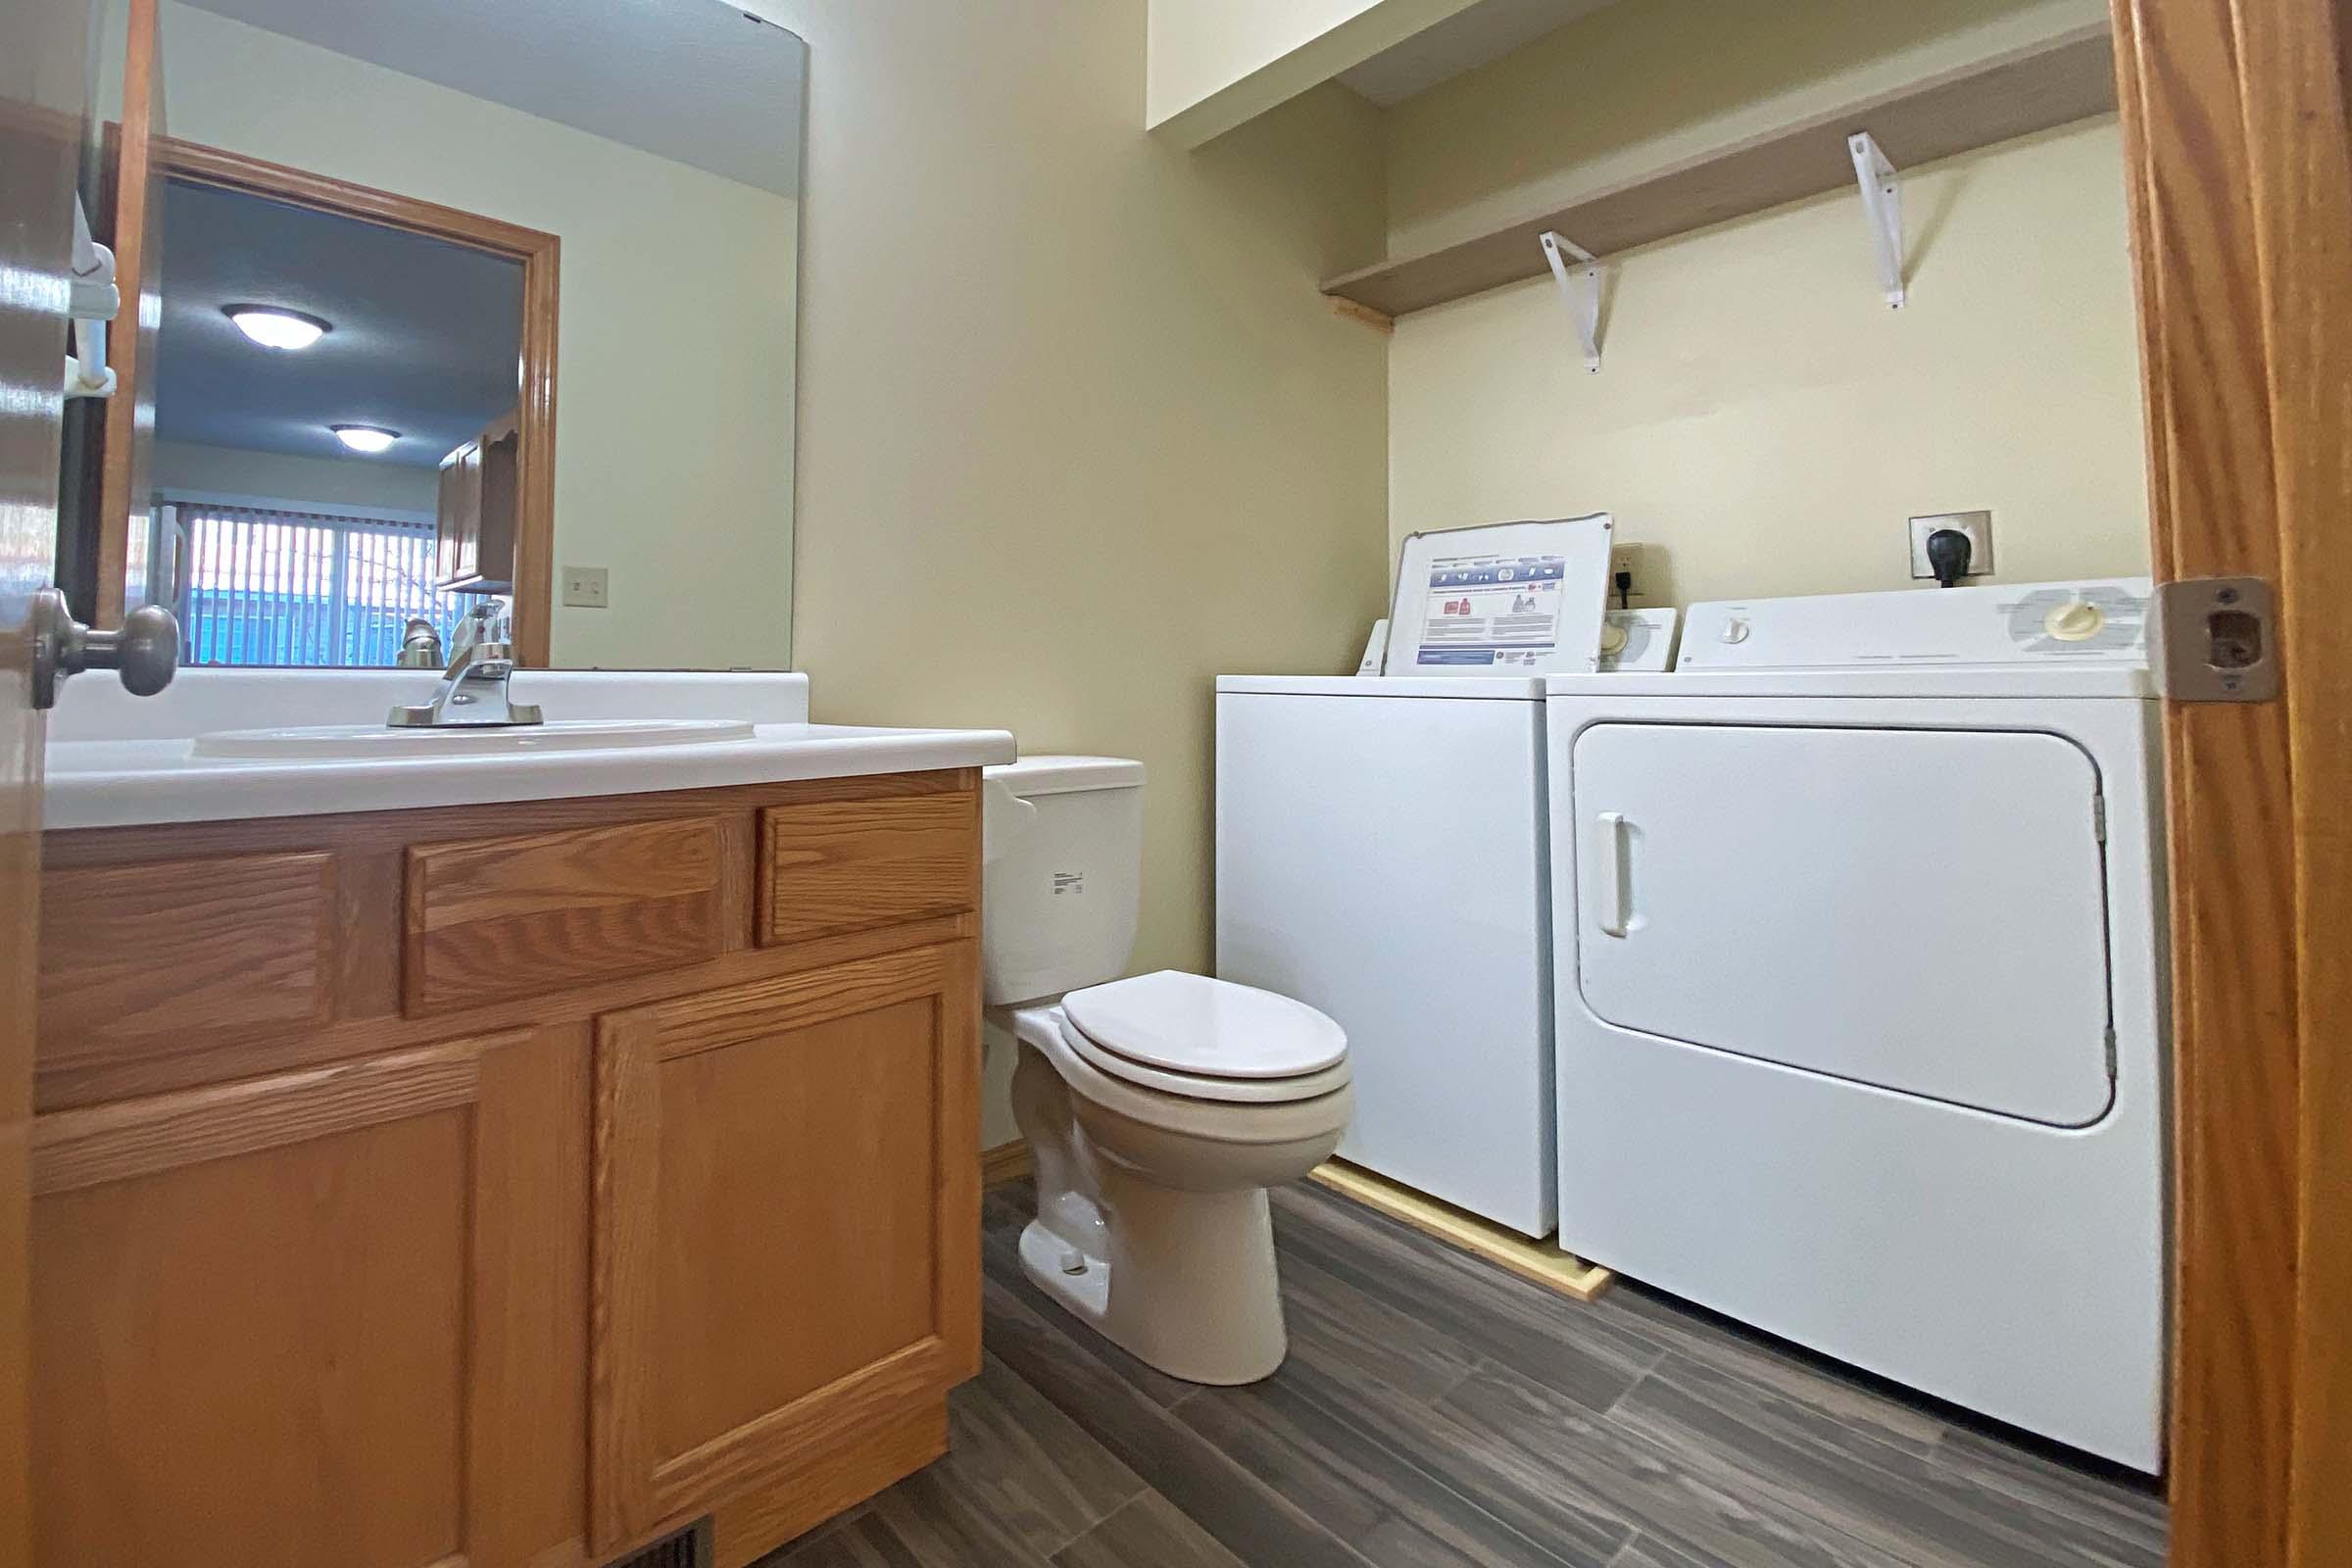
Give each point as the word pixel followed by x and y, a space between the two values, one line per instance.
pixel 2066 77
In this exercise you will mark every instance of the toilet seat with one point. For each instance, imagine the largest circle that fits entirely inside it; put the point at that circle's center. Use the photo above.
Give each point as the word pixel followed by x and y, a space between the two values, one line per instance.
pixel 1200 1086
pixel 1186 1112
pixel 1211 1038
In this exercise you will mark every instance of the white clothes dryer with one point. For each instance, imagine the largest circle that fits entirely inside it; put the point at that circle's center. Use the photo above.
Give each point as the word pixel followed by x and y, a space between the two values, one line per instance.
pixel 1858 990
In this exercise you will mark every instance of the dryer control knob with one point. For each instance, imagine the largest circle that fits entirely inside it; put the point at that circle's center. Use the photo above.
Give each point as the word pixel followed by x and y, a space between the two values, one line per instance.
pixel 1612 638
pixel 1735 630
pixel 2077 621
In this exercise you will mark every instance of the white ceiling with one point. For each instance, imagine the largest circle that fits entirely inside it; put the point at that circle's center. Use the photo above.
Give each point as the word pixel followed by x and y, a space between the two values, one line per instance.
pixel 424 340
pixel 695 80
pixel 1463 41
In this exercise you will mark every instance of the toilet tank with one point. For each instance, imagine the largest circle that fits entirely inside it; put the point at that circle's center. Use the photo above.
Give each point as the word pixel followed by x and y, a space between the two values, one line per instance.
pixel 1064 856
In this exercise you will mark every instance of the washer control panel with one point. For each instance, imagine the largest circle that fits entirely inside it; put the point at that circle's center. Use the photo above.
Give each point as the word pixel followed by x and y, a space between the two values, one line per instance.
pixel 2094 621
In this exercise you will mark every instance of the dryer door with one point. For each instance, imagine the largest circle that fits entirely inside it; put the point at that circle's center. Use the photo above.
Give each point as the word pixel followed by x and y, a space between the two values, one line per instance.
pixel 1920 909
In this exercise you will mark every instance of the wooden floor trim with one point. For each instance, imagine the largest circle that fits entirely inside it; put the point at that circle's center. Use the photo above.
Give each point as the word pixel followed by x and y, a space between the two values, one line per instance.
pixel 1539 1262
pixel 1007 1162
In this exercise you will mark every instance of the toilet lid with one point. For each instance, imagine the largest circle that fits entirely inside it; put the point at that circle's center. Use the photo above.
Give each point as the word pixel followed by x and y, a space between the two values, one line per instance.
pixel 1274 1092
pixel 1205 1028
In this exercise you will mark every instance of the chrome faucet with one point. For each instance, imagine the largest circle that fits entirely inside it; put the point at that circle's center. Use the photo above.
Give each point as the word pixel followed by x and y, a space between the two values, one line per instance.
pixel 421 646
pixel 473 688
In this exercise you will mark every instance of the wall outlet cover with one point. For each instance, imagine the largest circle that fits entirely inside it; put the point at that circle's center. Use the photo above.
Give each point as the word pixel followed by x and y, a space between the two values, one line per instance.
pixel 1978 525
pixel 587 587
pixel 1640 564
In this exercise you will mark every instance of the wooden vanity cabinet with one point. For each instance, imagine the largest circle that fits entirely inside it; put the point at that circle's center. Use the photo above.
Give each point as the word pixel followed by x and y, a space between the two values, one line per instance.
pixel 489 1186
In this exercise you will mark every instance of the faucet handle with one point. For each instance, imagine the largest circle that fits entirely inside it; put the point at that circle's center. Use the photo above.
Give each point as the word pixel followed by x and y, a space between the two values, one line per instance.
pixel 484 622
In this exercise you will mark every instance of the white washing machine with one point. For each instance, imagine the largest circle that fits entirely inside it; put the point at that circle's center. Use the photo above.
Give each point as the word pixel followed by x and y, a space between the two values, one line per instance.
pixel 1861 1029
pixel 1381 857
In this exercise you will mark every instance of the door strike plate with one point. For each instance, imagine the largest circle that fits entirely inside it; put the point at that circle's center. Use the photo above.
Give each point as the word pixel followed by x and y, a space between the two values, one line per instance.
pixel 2215 640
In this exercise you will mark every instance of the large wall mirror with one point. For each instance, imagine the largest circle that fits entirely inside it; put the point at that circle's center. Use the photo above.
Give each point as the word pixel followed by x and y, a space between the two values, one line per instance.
pixel 439 300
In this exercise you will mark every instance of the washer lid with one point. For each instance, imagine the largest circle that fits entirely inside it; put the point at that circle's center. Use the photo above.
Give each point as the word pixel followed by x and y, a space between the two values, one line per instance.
pixel 1191 1024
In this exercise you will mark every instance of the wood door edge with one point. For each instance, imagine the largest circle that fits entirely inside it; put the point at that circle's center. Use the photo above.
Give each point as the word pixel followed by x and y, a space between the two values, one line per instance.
pixel 136 171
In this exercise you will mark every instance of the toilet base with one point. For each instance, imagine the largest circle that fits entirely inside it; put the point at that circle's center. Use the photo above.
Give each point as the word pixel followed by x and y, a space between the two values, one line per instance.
pixel 1153 1226
pixel 1189 1286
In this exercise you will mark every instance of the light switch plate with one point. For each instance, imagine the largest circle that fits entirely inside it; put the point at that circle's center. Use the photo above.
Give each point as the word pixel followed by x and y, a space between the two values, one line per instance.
pixel 587 587
pixel 1978 525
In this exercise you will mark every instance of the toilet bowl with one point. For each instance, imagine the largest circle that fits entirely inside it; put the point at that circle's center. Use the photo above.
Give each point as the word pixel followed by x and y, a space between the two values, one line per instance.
pixel 1159 1109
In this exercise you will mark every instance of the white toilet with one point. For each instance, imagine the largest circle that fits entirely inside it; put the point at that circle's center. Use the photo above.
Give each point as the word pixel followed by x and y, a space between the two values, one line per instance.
pixel 1158 1109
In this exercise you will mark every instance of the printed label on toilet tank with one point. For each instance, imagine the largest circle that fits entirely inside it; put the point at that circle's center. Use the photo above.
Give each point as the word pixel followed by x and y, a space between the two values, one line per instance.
pixel 1497 611
pixel 1068 882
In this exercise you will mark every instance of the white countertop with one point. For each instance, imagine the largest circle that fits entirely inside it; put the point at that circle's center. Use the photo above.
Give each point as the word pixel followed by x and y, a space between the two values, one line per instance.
pixel 115 760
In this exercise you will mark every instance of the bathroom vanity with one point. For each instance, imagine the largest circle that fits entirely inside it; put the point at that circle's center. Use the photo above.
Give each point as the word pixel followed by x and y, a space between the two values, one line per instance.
pixel 565 1147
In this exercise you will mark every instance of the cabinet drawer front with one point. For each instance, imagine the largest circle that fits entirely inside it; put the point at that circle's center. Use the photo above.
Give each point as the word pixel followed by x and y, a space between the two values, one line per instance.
pixel 499 919
pixel 829 866
pixel 175 957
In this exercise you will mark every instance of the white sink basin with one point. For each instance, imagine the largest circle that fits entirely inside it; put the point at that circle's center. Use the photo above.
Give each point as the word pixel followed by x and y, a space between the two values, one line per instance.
pixel 371 742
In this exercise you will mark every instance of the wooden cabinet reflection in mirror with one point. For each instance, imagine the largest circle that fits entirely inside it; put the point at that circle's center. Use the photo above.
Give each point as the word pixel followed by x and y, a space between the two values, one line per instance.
pixel 430 358
pixel 474 515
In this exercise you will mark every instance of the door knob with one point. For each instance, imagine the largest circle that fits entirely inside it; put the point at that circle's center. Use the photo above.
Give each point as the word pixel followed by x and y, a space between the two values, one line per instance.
pixel 145 652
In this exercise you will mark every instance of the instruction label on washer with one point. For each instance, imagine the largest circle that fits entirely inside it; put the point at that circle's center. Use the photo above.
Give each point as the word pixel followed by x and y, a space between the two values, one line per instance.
pixel 1495 611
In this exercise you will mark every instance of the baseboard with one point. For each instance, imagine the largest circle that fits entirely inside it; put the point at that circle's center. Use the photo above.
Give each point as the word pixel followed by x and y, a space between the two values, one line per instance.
pixel 1007 1162
pixel 1539 1262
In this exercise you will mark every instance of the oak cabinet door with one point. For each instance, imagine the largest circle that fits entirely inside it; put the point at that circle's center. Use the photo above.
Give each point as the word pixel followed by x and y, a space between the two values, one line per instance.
pixel 457 535
pixel 786 1226
pixel 328 1317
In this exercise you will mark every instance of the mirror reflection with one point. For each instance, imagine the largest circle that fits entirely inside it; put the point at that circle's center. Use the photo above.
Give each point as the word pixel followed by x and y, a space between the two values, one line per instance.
pixel 336 430
pixel 446 301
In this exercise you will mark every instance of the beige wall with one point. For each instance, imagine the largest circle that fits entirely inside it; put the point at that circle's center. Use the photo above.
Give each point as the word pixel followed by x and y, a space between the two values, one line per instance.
pixel 1077 432
pixel 184 469
pixel 674 389
pixel 1766 420
pixel 1199 47
pixel 1761 418
pixel 1216 63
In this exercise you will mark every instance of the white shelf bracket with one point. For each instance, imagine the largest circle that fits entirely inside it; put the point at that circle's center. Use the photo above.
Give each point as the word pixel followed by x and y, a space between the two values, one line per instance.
pixel 1577 272
pixel 1883 204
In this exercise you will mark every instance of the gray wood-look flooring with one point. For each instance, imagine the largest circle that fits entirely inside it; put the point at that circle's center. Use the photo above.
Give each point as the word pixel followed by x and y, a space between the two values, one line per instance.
pixel 1438 1411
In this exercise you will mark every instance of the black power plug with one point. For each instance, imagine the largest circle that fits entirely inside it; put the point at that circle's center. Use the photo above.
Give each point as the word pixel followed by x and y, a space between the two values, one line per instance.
pixel 1948 550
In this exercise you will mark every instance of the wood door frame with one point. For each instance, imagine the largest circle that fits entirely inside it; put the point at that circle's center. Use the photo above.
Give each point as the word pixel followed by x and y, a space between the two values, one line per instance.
pixel 2237 126
pixel 535 402
pixel 136 187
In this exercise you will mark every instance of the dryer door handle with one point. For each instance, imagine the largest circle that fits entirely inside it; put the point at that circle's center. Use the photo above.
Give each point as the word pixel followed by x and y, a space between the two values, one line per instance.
pixel 1613 873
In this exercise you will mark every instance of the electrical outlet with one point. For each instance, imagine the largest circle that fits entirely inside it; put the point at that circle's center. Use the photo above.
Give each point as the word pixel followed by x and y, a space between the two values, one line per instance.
pixel 1978 525
pixel 1637 562
pixel 587 587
